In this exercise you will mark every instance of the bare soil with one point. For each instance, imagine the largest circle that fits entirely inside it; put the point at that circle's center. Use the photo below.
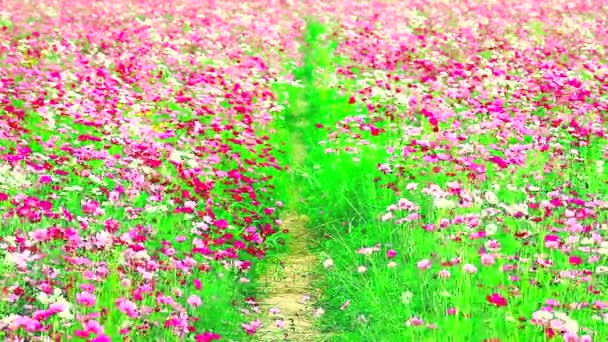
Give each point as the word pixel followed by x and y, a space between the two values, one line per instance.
pixel 289 288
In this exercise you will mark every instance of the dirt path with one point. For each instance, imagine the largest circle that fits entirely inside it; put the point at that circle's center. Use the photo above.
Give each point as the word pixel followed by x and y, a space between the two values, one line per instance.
pixel 288 283
pixel 289 288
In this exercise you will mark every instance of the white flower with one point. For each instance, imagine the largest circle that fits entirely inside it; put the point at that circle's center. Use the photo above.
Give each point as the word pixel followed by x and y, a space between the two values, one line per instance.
pixel 319 312
pixel 8 320
pixel 568 323
pixel 491 197
pixel 491 229
pixel 19 259
pixel 74 188
pixel 601 269
pixel 444 203
pixel 603 248
pixel 66 314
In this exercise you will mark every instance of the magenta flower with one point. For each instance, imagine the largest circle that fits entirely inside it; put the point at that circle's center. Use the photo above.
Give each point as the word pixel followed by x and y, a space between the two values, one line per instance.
pixel 207 337
pixel 497 300
pixel 575 260
pixel 197 284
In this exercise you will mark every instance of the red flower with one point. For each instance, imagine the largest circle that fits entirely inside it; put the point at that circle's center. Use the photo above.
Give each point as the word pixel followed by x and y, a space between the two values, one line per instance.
pixel 550 333
pixel 497 300
pixel 499 161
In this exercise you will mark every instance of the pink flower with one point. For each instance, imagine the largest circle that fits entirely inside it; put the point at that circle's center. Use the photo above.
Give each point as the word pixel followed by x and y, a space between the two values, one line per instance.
pixel 41 315
pixel 570 337
pixel 94 327
pixel 391 253
pixel 27 323
pixel 127 307
pixel 87 287
pixel 251 327
pixel 444 274
pixel 194 301
pixel 424 264
pixel 85 298
pixel 125 282
pixel 414 322
pixel 487 259
pixel 56 307
pixel 469 268
pixel 197 284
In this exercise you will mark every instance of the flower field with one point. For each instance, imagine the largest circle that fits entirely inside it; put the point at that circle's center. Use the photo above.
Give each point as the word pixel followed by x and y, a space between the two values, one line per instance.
pixel 303 170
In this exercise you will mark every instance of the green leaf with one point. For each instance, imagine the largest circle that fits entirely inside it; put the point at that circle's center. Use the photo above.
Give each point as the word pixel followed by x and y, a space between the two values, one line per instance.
pixel 6 22
pixel 537 28
pixel 486 54
pixel 540 112
pixel 586 76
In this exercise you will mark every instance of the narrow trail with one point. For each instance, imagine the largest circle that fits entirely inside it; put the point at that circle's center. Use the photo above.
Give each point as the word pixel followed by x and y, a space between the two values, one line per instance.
pixel 288 284
pixel 289 288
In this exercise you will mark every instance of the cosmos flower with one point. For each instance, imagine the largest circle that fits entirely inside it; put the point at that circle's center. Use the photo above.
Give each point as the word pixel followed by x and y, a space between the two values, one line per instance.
pixel 497 300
